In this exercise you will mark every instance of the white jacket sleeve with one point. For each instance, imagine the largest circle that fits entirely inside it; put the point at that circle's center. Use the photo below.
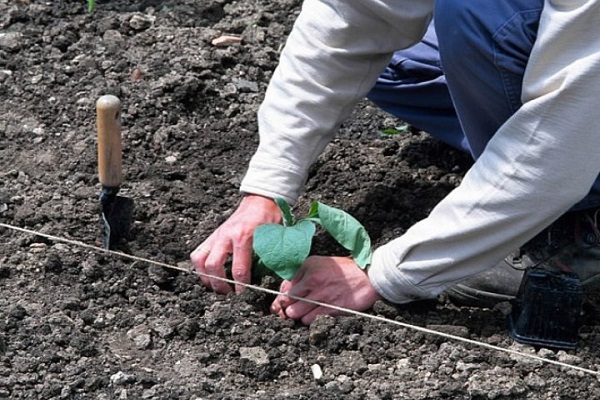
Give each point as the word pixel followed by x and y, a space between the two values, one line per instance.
pixel 332 58
pixel 540 163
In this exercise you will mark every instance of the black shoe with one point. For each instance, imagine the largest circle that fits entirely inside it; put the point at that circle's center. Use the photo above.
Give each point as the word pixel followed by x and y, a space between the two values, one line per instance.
pixel 496 285
pixel 571 244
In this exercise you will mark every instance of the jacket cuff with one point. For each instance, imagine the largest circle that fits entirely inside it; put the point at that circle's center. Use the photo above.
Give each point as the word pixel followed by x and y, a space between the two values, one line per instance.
pixel 273 180
pixel 386 276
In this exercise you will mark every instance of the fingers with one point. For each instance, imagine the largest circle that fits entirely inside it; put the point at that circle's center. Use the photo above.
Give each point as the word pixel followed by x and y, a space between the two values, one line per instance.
pixel 337 281
pixel 198 258
pixel 234 238
pixel 214 266
pixel 296 287
pixel 286 307
pixel 290 307
pixel 299 310
pixel 241 265
pixel 304 311
pixel 276 307
pixel 209 261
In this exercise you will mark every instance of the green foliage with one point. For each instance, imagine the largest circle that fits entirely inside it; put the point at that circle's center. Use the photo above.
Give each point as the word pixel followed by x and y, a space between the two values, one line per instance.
pixel 91 5
pixel 404 128
pixel 286 212
pixel 345 229
pixel 283 248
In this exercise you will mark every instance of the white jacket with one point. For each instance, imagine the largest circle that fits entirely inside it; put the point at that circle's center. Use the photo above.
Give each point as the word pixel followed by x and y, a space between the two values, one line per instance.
pixel 541 162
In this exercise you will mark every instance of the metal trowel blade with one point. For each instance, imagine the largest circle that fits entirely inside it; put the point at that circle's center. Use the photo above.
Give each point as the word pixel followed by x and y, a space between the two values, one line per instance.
pixel 117 215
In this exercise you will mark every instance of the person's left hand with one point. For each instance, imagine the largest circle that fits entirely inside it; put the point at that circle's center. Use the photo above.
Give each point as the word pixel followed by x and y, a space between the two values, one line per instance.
pixel 331 280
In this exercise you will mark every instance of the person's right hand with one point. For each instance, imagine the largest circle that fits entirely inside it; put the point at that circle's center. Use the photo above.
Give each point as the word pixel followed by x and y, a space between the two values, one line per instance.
pixel 234 237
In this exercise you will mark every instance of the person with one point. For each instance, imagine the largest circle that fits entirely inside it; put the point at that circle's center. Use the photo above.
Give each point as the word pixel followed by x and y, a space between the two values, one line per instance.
pixel 514 83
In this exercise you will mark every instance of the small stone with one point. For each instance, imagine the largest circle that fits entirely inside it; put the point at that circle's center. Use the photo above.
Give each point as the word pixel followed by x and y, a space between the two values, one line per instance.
pixel 121 378
pixel 316 371
pixel 547 353
pixel 16 200
pixel 61 247
pixel 535 381
pixel 10 41
pixel 245 86
pixel 254 354
pixel 65 392
pixel 333 386
pixel 141 336
pixel 113 36
pixel 170 159
pixel 567 358
pixel 466 367
pixel 226 40
pixel 37 247
pixel 163 329
pixel 283 374
pixel 141 22
pixel 106 64
pixel 229 89
pixel 149 393
pixel 345 384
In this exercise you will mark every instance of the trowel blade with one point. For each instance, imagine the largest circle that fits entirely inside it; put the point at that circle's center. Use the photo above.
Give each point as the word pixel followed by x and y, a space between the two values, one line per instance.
pixel 117 215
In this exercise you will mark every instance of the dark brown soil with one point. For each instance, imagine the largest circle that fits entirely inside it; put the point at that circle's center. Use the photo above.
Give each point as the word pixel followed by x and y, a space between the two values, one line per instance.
pixel 76 323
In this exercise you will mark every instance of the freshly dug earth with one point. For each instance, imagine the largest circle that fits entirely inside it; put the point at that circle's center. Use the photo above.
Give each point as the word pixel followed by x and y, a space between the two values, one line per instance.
pixel 76 323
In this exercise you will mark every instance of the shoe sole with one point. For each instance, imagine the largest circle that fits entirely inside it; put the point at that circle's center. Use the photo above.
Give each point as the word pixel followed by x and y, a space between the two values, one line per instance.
pixel 462 295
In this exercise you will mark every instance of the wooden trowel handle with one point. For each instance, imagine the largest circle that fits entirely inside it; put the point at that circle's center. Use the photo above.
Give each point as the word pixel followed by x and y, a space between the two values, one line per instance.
pixel 110 160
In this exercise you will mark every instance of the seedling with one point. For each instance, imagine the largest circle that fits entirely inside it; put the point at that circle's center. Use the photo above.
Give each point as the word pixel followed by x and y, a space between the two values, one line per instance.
pixel 91 5
pixel 404 128
pixel 283 248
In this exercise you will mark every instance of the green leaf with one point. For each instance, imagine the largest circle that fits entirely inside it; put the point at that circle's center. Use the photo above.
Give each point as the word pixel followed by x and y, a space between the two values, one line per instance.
pixel 91 5
pixel 404 128
pixel 313 212
pixel 283 249
pixel 286 212
pixel 345 229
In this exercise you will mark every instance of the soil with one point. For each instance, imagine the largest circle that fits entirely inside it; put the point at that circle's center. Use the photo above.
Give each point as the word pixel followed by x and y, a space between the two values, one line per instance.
pixel 77 323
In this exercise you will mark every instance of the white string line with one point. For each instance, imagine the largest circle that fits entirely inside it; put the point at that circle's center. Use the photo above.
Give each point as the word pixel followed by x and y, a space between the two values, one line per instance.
pixel 317 303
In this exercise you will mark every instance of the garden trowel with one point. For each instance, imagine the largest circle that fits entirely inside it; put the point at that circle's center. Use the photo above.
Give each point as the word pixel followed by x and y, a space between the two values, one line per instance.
pixel 117 211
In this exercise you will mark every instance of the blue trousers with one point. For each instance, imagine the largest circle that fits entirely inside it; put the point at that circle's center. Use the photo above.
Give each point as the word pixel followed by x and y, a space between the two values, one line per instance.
pixel 464 79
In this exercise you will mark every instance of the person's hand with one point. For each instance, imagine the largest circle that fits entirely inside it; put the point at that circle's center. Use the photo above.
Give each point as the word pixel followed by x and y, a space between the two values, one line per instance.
pixel 331 280
pixel 234 237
